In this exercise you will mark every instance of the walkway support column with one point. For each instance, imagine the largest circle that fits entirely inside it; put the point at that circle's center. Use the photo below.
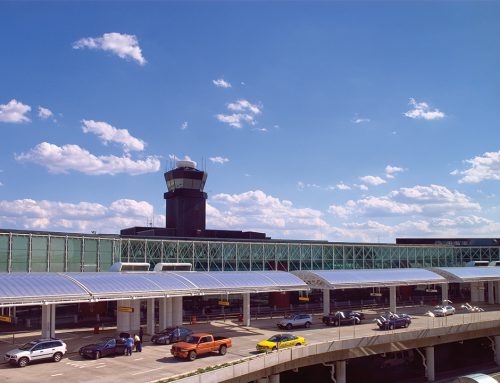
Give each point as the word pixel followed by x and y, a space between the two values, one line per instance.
pixel 429 356
pixel 340 371
pixel 135 316
pixel 392 299
pixel 49 321
pixel 497 350
pixel 122 318
pixel 444 292
pixel 326 302
pixel 177 311
pixel 151 320
pixel 246 309
pixel 491 293
pixel 165 314
pixel 274 378
pixel 480 291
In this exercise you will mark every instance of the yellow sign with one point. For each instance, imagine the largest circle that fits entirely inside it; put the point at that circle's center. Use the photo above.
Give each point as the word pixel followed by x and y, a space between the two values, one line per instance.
pixel 5 319
pixel 224 303
pixel 304 299
pixel 125 309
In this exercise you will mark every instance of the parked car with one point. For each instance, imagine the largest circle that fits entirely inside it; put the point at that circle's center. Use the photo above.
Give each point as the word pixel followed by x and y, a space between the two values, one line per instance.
pixel 397 358
pixel 39 349
pixel 171 335
pixel 341 318
pixel 392 321
pixel 104 347
pixel 295 320
pixel 198 344
pixel 443 310
pixel 279 341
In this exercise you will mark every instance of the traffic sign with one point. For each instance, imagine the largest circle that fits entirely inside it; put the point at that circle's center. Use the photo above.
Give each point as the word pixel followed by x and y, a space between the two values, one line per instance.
pixel 125 309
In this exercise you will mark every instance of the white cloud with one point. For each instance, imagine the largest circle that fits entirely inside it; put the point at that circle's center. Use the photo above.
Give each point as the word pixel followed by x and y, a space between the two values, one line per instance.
pixel 221 83
pixel 342 186
pixel 184 125
pixel 372 180
pixel 254 210
pixel 79 217
pixel 44 113
pixel 482 168
pixel 421 110
pixel 218 160
pixel 244 105
pixel 390 171
pixel 301 186
pixel 246 113
pixel 235 120
pixel 433 200
pixel 14 111
pixel 108 133
pixel 123 45
pixel 360 120
pixel 62 159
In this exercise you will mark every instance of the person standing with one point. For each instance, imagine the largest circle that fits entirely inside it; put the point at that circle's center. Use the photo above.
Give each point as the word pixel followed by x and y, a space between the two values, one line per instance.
pixel 137 342
pixel 141 334
pixel 129 344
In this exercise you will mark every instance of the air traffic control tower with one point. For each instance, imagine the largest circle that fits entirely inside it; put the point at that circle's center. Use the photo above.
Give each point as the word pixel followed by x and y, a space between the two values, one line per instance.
pixel 186 209
pixel 185 199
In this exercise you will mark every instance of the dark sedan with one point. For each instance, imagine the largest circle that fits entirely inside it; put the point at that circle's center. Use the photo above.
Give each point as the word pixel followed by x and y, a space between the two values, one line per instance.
pixel 171 335
pixel 104 347
pixel 341 318
pixel 392 321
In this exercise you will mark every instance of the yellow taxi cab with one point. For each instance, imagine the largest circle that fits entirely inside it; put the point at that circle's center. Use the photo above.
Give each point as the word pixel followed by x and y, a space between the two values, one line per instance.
pixel 279 341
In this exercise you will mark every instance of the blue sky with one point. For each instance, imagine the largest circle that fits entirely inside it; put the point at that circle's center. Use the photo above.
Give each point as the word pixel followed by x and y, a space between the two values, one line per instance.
pixel 341 121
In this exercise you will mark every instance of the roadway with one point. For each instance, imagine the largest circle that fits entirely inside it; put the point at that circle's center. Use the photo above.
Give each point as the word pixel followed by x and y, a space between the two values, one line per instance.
pixel 155 362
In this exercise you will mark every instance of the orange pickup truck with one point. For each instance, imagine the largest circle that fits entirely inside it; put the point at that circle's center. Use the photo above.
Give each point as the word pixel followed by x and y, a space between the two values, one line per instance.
pixel 198 344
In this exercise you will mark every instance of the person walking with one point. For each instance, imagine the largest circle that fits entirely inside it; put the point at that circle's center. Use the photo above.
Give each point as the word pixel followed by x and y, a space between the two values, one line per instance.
pixel 129 344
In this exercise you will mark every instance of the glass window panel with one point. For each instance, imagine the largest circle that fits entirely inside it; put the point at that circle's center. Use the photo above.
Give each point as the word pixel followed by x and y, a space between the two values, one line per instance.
pixel 20 251
pixel 39 257
pixel 105 254
pixel 4 252
pixel 74 254
pixel 57 250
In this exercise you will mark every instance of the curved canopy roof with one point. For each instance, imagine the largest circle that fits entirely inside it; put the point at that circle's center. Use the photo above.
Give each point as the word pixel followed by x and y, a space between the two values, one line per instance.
pixel 42 288
pixel 469 274
pixel 351 279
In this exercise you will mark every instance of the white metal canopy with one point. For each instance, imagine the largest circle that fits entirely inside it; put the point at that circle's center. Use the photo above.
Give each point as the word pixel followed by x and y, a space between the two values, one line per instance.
pixel 469 274
pixel 17 289
pixel 363 278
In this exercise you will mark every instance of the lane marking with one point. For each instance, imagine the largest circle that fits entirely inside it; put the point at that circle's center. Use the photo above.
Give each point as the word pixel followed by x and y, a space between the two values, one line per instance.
pixel 137 359
pixel 101 366
pixel 56 375
pixel 88 336
pixel 145 372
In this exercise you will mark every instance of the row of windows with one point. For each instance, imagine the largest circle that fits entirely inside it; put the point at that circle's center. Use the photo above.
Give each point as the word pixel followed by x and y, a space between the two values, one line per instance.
pixel 29 252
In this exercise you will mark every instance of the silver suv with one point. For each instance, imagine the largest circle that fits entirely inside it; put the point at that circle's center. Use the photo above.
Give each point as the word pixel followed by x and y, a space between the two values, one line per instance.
pixel 39 349
pixel 295 320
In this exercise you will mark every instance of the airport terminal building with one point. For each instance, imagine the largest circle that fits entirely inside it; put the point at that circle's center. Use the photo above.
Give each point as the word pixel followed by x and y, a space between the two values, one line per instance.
pixel 185 239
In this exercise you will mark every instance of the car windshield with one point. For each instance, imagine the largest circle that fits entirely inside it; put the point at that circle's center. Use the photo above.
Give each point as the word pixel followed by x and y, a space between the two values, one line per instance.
pixel 192 339
pixel 102 342
pixel 438 307
pixel 27 346
pixel 275 338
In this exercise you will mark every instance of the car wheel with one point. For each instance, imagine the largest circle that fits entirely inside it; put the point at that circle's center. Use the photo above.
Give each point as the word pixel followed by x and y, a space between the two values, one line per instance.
pixel 167 341
pixel 274 349
pixel 288 326
pixel 336 323
pixel 298 344
pixel 307 325
pixel 22 362
pixel 57 357
pixel 357 321
pixel 192 355
pixel 391 327
pixel 97 355
pixel 222 350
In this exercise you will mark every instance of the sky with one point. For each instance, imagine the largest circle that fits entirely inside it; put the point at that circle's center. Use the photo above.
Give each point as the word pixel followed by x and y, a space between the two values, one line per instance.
pixel 358 121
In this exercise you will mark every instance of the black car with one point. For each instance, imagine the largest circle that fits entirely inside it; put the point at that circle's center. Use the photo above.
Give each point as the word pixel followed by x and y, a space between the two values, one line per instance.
pixel 104 347
pixel 342 318
pixel 392 321
pixel 171 335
